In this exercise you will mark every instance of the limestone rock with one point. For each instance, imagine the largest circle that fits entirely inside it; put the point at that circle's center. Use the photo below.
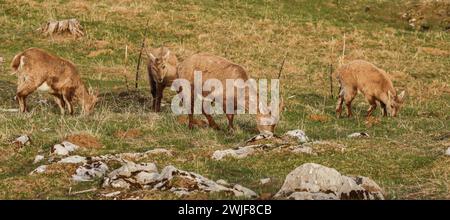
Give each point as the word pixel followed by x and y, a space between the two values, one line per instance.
pixel 314 181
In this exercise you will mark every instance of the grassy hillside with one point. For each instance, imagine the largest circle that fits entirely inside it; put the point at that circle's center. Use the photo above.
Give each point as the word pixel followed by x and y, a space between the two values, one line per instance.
pixel 404 155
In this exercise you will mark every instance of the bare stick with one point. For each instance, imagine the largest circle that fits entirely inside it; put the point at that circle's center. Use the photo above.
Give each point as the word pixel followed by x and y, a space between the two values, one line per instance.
pixel 83 191
pixel 125 67
pixel 282 65
pixel 140 56
pixel 331 80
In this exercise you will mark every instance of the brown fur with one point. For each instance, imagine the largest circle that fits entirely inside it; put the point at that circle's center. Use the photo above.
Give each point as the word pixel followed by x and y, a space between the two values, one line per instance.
pixel 215 67
pixel 37 69
pixel 161 70
pixel 371 81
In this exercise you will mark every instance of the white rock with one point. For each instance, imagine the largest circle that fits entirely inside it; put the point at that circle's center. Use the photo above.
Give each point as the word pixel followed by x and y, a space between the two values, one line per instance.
pixel 319 182
pixel 245 192
pixel 302 149
pixel 120 183
pixel 89 171
pixel 299 134
pixel 261 136
pixel 235 153
pixel 60 150
pixel 73 159
pixel 22 140
pixel 69 146
pixel 112 194
pixel 159 151
pixel 39 169
pixel 264 181
pixel 145 178
pixel 358 135
pixel 447 152
pixel 38 159
pixel 312 196
pixel 129 168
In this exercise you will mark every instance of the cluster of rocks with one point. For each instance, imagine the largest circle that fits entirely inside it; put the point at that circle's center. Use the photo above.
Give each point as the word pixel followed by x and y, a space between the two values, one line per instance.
pixel 301 144
pixel 316 182
pixel 180 182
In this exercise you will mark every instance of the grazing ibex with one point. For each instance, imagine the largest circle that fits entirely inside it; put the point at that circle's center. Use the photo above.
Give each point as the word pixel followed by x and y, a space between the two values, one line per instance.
pixel 37 69
pixel 162 70
pixel 371 81
pixel 215 67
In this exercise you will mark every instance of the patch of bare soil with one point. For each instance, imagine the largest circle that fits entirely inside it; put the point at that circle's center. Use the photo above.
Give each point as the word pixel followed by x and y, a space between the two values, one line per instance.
pixel 99 52
pixel 131 133
pixel 184 120
pixel 319 118
pixel 84 140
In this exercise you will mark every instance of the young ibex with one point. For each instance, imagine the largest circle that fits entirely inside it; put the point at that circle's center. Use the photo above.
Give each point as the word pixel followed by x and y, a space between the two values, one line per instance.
pixel 37 69
pixel 215 67
pixel 162 70
pixel 371 81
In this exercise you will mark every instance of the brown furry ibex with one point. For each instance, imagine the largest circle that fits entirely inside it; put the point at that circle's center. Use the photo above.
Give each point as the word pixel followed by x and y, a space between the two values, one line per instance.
pixel 162 70
pixel 37 69
pixel 215 67
pixel 373 82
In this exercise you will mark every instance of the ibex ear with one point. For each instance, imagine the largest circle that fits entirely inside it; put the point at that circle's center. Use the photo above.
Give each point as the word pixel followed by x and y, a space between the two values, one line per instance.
pixel 401 96
pixel 152 57
pixel 390 96
pixel 165 57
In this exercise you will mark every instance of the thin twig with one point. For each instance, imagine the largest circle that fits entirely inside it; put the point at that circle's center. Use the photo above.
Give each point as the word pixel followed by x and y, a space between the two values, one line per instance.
pixel 125 67
pixel 84 191
pixel 331 80
pixel 282 65
pixel 140 55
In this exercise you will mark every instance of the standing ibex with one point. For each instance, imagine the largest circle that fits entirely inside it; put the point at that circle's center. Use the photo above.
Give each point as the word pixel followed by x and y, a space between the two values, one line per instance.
pixel 373 82
pixel 162 70
pixel 215 67
pixel 37 69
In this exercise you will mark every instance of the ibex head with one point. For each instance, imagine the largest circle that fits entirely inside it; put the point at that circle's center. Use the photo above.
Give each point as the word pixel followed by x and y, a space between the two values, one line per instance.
pixel 395 102
pixel 159 63
pixel 268 118
pixel 89 101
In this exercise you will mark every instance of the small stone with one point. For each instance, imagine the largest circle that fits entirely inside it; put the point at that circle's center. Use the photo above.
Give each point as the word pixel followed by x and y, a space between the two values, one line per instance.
pixel 39 169
pixel 447 152
pixel 112 194
pixel 245 192
pixel 38 159
pixel 22 140
pixel 264 181
pixel 73 159
pixel 120 183
pixel 89 171
pixel 312 196
pixel 239 153
pixel 299 134
pixel 302 149
pixel 69 146
pixel 358 135
pixel 60 150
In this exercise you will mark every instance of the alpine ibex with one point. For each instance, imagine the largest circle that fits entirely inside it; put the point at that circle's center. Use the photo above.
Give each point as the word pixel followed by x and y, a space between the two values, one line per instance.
pixel 371 81
pixel 39 70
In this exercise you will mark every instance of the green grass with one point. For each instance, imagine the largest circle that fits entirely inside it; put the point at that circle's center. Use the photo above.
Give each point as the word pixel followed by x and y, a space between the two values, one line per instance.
pixel 404 155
